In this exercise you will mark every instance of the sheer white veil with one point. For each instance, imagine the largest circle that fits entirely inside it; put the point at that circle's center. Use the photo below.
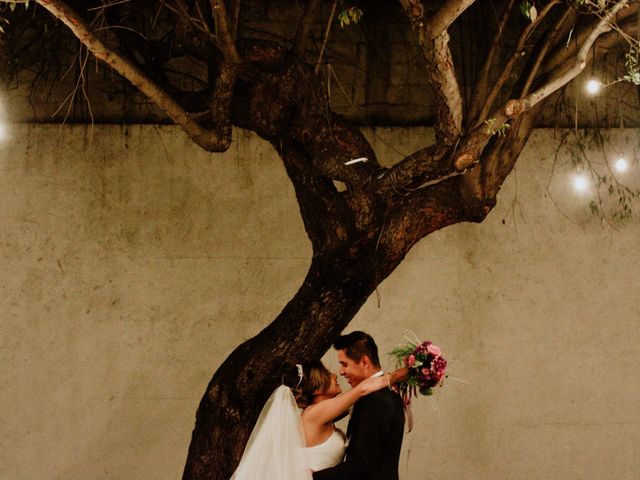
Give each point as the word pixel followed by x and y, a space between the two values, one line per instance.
pixel 276 447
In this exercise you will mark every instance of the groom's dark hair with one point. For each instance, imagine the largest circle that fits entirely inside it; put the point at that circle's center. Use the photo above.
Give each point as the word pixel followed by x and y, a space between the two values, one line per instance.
pixel 358 344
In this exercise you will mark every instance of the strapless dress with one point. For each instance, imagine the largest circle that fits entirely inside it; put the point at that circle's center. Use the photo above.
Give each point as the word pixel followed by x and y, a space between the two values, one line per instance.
pixel 329 453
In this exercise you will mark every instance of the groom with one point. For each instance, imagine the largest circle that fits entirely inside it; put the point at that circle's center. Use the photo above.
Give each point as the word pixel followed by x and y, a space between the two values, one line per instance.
pixel 377 421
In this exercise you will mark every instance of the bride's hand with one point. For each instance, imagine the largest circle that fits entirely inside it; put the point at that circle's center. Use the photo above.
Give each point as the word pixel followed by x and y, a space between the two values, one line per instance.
pixel 374 384
pixel 388 380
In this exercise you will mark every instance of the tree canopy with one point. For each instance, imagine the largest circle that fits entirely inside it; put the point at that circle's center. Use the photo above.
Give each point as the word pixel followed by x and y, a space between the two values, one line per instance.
pixel 270 67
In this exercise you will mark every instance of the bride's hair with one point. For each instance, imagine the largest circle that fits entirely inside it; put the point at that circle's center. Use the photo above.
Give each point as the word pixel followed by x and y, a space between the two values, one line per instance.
pixel 315 376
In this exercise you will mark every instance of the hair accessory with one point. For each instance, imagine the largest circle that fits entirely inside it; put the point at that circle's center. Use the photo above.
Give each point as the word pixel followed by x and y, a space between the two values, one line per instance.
pixel 300 374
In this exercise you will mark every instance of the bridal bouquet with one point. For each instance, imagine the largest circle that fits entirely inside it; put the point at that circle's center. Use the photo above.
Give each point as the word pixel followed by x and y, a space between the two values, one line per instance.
pixel 426 367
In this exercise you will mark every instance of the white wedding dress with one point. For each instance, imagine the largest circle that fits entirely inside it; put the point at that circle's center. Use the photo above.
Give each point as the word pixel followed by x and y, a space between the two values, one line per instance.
pixel 328 453
pixel 276 448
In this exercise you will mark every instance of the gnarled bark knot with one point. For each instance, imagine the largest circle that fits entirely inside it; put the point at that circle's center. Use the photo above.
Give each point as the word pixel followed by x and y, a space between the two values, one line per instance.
pixel 417 10
pixel 514 107
pixel 211 141
pixel 464 161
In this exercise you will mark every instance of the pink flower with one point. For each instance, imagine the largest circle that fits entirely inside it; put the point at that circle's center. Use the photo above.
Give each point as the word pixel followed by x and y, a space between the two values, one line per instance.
pixel 426 366
pixel 434 350
pixel 411 361
pixel 422 348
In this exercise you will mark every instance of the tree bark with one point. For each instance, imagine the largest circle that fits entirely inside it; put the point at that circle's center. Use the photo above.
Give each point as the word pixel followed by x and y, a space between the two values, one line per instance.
pixel 339 281
pixel 332 292
pixel 361 234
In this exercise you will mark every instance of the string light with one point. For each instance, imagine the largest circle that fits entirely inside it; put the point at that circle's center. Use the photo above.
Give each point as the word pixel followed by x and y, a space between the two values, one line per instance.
pixel 621 165
pixel 593 86
pixel 580 182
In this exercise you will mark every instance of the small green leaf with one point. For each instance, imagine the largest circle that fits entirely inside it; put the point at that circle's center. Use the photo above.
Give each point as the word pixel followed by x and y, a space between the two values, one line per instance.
pixel 525 8
pixel 349 15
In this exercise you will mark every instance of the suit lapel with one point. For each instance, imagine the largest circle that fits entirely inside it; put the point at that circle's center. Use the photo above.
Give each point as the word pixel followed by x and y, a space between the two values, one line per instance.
pixel 352 421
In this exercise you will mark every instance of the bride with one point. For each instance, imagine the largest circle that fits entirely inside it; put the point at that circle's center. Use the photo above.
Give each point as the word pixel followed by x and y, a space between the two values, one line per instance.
pixel 288 445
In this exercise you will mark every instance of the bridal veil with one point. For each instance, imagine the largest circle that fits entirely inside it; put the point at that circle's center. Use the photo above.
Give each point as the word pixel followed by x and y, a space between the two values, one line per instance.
pixel 276 448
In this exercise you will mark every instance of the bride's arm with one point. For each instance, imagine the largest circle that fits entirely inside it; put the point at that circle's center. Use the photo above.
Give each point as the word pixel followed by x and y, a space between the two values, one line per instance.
pixel 329 410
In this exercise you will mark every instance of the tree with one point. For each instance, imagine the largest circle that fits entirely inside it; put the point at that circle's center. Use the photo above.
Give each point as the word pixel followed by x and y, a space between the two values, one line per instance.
pixel 361 218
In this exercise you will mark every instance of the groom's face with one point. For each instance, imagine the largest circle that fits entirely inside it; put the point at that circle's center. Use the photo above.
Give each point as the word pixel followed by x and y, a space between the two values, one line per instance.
pixel 353 371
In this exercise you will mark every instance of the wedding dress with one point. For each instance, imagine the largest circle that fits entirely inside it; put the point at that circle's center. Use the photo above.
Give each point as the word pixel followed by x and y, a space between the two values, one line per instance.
pixel 327 454
pixel 276 448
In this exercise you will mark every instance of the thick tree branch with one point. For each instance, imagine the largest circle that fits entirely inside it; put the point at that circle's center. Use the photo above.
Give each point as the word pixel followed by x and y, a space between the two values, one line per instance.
pixel 432 163
pixel 479 187
pixel 424 166
pixel 631 27
pixel 445 16
pixel 327 217
pixel 439 64
pixel 338 152
pixel 287 101
pixel 412 217
pixel 211 140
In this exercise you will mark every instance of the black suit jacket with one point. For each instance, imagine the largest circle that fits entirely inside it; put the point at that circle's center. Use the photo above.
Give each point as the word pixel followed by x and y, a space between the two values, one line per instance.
pixel 375 437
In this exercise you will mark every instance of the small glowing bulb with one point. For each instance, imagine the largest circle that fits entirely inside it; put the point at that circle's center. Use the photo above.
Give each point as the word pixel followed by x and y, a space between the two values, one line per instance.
pixel 621 165
pixel 593 86
pixel 580 183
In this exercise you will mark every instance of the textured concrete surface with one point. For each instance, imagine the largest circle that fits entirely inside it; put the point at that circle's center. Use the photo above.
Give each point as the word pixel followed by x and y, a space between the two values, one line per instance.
pixel 131 264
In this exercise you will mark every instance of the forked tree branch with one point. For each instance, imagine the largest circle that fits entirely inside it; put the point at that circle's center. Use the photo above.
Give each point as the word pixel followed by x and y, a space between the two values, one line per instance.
pixel 421 167
pixel 552 39
pixel 514 107
pixel 445 16
pixel 224 32
pixel 562 53
pixel 216 139
pixel 519 52
pixel 324 211
pixel 427 164
pixel 483 85
pixel 434 42
pixel 477 139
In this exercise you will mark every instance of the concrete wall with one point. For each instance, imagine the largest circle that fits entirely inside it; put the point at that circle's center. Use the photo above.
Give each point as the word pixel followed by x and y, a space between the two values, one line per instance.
pixel 132 263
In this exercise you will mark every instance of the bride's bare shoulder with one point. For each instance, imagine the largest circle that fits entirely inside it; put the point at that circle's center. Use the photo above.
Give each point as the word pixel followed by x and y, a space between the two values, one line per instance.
pixel 308 409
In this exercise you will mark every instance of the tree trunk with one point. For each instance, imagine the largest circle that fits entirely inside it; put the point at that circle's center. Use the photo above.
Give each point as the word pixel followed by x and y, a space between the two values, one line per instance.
pixel 333 291
pixel 361 234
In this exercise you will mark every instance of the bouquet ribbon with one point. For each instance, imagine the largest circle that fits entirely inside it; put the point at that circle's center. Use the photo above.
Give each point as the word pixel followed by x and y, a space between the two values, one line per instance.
pixel 406 403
